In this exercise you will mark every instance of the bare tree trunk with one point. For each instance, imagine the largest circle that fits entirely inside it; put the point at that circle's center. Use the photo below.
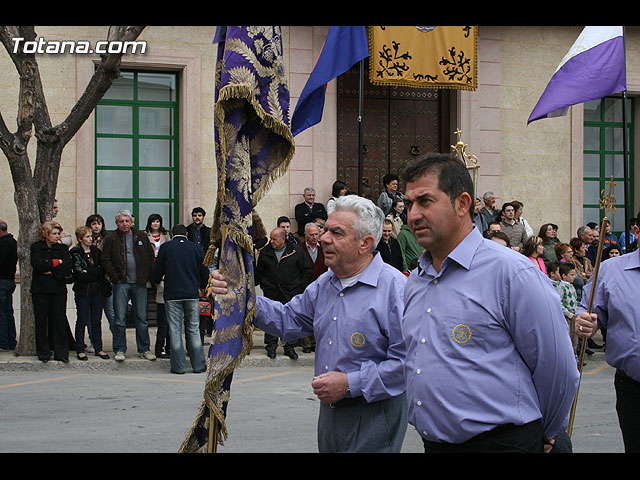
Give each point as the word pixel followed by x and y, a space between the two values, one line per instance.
pixel 35 192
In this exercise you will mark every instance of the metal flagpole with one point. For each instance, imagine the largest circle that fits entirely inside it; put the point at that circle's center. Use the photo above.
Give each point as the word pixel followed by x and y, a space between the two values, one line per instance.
pixel 625 161
pixel 360 128
pixel 625 158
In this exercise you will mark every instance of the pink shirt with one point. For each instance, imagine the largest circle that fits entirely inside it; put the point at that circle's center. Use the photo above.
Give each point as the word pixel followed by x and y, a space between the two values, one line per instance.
pixel 540 263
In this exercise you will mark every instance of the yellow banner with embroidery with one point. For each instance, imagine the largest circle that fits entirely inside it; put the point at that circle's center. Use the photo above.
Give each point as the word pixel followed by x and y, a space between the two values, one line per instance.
pixel 424 57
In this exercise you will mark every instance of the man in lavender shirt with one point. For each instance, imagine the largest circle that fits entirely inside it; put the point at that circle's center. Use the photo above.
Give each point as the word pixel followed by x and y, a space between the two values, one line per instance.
pixel 615 308
pixel 489 366
pixel 354 310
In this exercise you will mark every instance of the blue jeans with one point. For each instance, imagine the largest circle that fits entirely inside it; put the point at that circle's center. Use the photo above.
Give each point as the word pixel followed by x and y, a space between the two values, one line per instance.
pixel 175 311
pixel 137 292
pixel 7 320
pixel 89 314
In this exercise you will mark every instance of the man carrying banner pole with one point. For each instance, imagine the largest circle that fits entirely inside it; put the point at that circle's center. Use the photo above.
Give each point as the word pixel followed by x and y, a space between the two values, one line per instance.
pixel 254 145
pixel 610 302
pixel 355 313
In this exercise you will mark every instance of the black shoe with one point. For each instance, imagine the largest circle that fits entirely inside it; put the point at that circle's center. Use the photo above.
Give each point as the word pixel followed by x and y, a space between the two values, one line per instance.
pixel 63 360
pixel 592 344
pixel 271 354
pixel 175 371
pixel 306 350
pixel 291 354
pixel 83 358
pixel 200 371
pixel 102 355
pixel 588 352
pixel 162 355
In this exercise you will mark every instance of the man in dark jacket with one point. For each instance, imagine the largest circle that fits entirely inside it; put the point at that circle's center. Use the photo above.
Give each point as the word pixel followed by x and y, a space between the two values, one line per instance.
pixel 283 272
pixel 8 262
pixel 127 258
pixel 389 247
pixel 308 210
pixel 197 231
pixel 179 262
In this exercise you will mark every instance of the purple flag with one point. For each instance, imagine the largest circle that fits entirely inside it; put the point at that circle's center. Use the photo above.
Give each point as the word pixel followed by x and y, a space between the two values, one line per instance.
pixel 593 68
pixel 343 48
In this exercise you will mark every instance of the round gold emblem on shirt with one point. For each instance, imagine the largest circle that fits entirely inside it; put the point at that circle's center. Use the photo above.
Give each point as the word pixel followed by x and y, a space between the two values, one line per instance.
pixel 461 334
pixel 357 339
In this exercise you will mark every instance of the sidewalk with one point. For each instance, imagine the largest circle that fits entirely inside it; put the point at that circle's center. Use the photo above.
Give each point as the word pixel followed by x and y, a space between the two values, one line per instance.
pixel 10 362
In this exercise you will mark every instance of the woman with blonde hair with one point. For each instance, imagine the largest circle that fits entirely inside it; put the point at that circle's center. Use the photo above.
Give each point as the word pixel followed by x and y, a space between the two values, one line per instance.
pixel 51 265
pixel 533 249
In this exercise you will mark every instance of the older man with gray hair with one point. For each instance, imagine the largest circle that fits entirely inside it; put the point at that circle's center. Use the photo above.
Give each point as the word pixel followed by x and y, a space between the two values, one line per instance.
pixel 127 258
pixel 354 310
pixel 308 210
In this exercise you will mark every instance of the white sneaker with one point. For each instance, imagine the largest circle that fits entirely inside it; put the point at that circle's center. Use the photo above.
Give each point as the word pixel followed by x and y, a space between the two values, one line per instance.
pixel 148 355
pixel 119 357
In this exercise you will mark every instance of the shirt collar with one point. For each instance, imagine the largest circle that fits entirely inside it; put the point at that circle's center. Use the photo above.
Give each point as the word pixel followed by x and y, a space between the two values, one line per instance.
pixel 369 275
pixel 462 254
pixel 634 260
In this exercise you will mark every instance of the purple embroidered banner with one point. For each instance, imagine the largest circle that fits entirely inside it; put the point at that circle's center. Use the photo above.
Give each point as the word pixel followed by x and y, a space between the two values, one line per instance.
pixel 254 145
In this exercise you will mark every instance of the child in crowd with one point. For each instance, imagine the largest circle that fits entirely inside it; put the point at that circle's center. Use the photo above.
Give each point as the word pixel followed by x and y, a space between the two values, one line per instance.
pixel 562 276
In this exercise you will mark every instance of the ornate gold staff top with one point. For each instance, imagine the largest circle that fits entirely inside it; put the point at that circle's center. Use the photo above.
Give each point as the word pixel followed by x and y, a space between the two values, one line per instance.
pixel 470 161
pixel 607 204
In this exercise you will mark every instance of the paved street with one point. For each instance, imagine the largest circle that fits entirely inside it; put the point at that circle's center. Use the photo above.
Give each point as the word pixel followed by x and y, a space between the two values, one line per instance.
pixel 140 407
pixel 272 409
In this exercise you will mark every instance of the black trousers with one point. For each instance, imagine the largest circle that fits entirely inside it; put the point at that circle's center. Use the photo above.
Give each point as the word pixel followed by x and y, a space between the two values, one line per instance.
pixel 49 311
pixel 527 438
pixel 628 409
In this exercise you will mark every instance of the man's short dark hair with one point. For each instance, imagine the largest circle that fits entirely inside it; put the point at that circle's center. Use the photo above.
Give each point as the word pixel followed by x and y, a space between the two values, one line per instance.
pixel 179 229
pixel 453 176
pixel 502 236
pixel 199 210
pixel 553 266
pixel 283 219
pixel 565 268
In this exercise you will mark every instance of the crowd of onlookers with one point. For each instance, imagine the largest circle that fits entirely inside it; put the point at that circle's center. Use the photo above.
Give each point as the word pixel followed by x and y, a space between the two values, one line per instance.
pixel 114 272
pixel 568 264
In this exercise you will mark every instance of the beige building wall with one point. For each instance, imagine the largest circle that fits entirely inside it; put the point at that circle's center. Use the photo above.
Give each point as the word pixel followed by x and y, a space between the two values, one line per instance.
pixel 539 164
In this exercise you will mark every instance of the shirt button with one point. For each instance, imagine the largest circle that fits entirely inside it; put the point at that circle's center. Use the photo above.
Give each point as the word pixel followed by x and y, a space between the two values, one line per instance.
pixel 423 340
pixel 326 367
pixel 435 281
pixel 418 403
pixel 424 434
pixel 429 310
pixel 418 371
pixel 335 318
pixel 330 342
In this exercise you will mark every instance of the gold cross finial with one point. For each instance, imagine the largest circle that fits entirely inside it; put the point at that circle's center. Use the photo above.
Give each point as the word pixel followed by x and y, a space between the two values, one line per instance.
pixel 607 202
pixel 471 161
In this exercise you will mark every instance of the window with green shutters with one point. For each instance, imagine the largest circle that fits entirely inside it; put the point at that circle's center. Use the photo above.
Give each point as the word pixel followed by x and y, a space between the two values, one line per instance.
pixel 603 158
pixel 136 163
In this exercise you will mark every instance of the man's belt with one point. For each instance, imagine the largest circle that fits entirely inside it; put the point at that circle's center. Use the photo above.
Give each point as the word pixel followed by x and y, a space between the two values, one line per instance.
pixel 349 402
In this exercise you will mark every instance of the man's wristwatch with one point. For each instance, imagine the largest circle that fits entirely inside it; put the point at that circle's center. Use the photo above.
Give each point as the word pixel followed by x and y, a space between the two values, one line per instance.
pixel 347 393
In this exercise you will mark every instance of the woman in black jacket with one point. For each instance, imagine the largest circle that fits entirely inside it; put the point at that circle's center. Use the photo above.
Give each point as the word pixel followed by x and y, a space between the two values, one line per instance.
pixel 51 265
pixel 89 284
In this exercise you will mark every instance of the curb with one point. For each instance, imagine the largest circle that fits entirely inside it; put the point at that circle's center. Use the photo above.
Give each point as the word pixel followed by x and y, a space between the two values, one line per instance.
pixel 9 362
